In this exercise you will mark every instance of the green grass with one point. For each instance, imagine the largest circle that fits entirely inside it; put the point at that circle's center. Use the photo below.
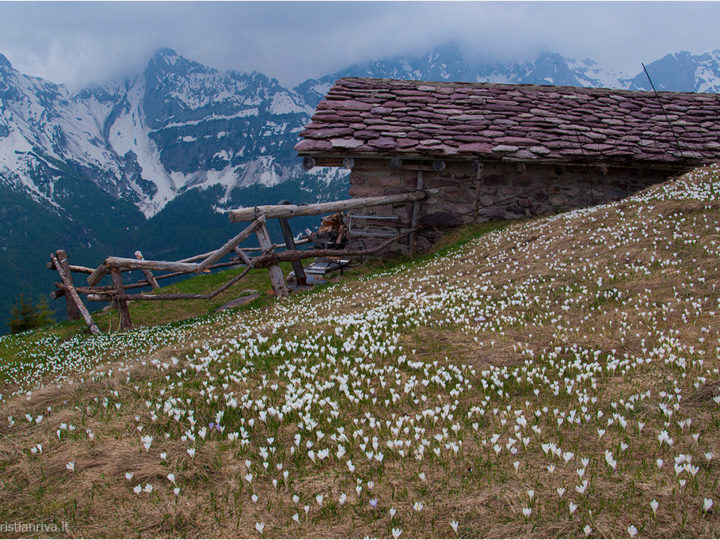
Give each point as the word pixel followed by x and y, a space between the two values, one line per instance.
pixel 19 353
pixel 487 377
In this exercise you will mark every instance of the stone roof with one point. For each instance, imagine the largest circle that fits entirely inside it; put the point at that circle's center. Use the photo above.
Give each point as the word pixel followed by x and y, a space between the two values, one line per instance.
pixel 417 119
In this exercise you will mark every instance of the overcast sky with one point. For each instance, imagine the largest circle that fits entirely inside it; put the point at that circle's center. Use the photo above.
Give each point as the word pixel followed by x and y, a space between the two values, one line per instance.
pixel 81 43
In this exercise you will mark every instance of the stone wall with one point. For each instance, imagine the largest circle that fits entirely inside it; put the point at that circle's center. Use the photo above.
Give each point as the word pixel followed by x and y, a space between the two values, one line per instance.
pixel 460 194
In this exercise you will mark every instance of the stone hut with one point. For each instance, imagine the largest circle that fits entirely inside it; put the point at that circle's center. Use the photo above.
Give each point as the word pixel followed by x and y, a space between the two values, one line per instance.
pixel 496 151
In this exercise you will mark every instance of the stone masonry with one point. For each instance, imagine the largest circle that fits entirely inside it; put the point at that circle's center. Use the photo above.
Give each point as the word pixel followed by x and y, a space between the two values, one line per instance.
pixel 460 194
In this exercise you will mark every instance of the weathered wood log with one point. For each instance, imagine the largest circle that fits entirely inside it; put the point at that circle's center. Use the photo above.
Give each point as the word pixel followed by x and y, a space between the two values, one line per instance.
pixel 147 273
pixel 415 214
pixel 99 298
pixel 182 296
pixel 121 303
pixel 292 210
pixel 243 257
pixel 73 313
pixel 97 274
pixel 276 276
pixel 195 258
pixel 105 289
pixel 230 244
pixel 73 268
pixel 70 290
pixel 280 246
pixel 144 283
pixel 133 264
pixel 263 261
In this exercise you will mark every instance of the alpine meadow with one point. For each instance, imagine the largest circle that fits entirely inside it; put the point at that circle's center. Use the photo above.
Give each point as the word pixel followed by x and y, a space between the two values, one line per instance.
pixel 558 376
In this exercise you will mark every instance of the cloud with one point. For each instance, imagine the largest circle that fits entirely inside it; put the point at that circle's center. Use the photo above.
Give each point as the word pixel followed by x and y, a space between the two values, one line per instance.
pixel 82 43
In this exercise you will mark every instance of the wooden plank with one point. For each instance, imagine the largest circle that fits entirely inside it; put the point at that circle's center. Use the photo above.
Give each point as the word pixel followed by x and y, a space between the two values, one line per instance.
pixel 73 313
pixel 230 244
pixel 293 210
pixel 276 276
pixel 121 303
pixel 70 291
pixel 147 273
pixel 415 214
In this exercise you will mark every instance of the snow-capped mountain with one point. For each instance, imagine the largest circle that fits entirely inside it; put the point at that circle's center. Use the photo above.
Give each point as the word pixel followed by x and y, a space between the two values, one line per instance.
pixel 447 63
pixel 176 126
pixel 682 72
pixel 152 162
pixel 180 125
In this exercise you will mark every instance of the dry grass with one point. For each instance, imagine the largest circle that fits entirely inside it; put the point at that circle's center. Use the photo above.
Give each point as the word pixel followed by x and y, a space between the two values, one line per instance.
pixel 598 315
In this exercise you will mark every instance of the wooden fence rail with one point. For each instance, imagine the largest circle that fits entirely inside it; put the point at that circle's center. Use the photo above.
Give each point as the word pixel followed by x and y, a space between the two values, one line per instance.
pixel 268 258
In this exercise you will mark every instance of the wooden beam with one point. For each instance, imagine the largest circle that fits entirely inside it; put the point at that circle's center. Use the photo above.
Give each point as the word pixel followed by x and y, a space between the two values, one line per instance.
pixel 276 276
pixel 243 257
pixel 99 298
pixel 478 170
pixel 121 303
pixel 230 244
pixel 181 296
pixel 97 274
pixel 70 290
pixel 134 264
pixel 73 313
pixel 263 261
pixel 293 210
pixel 73 268
pixel 147 273
pixel 415 214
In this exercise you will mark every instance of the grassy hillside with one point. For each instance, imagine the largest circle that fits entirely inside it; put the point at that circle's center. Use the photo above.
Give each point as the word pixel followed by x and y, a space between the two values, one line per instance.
pixel 560 377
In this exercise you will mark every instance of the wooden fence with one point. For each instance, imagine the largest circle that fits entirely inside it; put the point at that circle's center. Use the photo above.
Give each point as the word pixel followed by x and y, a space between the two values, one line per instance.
pixel 268 258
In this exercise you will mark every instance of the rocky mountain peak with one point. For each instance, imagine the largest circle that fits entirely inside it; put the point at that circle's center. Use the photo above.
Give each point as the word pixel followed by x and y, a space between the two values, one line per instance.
pixel 5 64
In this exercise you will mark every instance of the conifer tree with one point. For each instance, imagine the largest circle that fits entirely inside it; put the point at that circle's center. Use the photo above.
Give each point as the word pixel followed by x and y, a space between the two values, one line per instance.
pixel 26 316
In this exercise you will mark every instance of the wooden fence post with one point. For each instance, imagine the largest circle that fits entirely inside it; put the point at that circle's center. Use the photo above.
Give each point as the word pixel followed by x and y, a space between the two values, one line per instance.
pixel 121 303
pixel 276 275
pixel 73 313
pixel 72 293
pixel 147 273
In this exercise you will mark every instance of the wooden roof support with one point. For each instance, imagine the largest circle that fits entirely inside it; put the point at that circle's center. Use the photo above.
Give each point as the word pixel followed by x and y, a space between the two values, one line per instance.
pixel 415 213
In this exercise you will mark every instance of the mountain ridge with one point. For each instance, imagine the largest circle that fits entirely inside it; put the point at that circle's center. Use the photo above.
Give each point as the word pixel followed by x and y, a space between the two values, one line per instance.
pixel 210 140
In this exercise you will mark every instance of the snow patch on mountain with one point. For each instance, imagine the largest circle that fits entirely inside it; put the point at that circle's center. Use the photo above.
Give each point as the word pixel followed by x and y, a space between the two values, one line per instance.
pixel 181 125
pixel 590 73
pixel 129 133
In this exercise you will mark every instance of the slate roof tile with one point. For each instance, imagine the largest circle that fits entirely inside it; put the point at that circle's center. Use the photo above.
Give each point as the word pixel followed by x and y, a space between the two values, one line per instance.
pixel 520 122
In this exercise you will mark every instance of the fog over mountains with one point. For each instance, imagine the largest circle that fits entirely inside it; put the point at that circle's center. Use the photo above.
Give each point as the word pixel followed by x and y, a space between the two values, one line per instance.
pixel 153 161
